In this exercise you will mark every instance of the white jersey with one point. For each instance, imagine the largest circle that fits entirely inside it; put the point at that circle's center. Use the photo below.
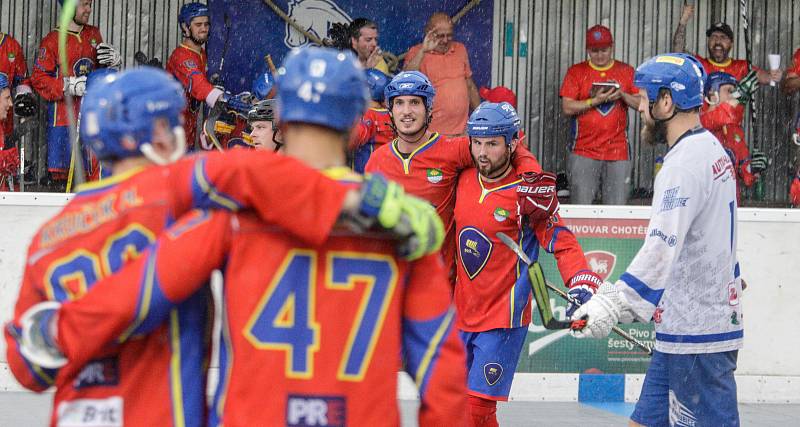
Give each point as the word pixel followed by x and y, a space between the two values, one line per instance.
pixel 686 277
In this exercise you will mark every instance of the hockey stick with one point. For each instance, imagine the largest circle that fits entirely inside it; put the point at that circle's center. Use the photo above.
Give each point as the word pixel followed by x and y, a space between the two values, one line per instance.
pixel 274 71
pixel 76 162
pixel 543 298
pixel 216 78
pixel 748 53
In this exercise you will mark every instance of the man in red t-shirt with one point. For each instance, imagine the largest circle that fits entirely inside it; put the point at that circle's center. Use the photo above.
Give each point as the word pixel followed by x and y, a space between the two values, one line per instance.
pixel 597 94
pixel 790 85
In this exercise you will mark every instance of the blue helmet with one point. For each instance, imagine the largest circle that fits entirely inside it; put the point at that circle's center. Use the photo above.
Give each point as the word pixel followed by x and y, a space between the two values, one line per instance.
pixel 494 119
pixel 262 84
pixel 411 83
pixel 190 11
pixel 377 82
pixel 322 86
pixel 3 81
pixel 126 104
pixel 683 75
pixel 98 75
pixel 717 79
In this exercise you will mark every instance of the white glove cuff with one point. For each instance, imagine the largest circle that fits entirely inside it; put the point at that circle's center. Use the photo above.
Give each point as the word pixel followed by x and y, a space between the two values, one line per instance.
pixel 212 97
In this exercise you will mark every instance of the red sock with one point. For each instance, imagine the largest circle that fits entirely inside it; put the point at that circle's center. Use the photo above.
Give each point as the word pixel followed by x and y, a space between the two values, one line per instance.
pixel 483 412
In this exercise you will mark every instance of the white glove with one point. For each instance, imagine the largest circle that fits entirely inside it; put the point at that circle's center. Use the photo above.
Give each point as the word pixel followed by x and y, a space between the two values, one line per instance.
pixel 107 55
pixel 602 312
pixel 39 331
pixel 75 86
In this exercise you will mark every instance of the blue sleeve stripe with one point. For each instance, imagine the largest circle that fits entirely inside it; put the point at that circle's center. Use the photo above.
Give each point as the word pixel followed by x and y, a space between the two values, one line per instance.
pixel 725 336
pixel 551 246
pixel 423 372
pixel 206 195
pixel 736 272
pixel 648 294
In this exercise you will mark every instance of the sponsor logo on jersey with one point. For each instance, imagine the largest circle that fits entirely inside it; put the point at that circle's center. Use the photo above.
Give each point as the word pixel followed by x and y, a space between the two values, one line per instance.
pixel 189 63
pixel 734 318
pixel 11 57
pixel 492 372
pixel 91 412
pixel 98 372
pixel 474 249
pixel 671 240
pixel 313 16
pixel 679 414
pixel 311 410
pixel 83 67
pixel 722 168
pixel 671 200
pixel 434 175
pixel 601 262
pixel 501 214
pixel 42 54
pixel 93 42
pixel 657 315
pixel 606 108
pixel 733 294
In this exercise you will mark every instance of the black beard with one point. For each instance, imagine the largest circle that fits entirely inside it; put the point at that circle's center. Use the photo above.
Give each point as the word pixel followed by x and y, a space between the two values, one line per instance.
pixel 654 134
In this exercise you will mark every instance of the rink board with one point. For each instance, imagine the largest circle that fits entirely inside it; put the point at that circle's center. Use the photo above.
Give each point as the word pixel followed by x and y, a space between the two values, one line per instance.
pixel 555 368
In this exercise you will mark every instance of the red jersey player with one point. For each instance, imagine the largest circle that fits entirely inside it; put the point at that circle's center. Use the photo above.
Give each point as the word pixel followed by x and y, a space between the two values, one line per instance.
pixel 426 163
pixel 722 114
pixel 84 49
pixel 375 128
pixel 133 121
pixel 596 94
pixel 493 293
pixel 9 159
pixel 315 328
pixel 15 69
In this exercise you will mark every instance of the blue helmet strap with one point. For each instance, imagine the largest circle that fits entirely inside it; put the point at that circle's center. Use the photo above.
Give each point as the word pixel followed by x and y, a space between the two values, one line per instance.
pixel 428 117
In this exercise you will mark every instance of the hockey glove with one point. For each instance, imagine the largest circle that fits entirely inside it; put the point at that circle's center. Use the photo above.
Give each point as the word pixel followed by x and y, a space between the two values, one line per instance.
pixel 414 221
pixel 582 288
pixel 75 85
pixel 25 105
pixel 794 191
pixel 758 161
pixel 108 56
pixel 39 332
pixel 602 312
pixel 746 88
pixel 238 103
pixel 536 196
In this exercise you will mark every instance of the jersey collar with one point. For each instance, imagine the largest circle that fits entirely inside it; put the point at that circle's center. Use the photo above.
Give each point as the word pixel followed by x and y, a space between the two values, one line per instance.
pixel 424 146
pixel 596 68
pixel 502 185
pixel 342 174
pixel 720 64
pixel 106 183
pixel 199 52
pixel 696 131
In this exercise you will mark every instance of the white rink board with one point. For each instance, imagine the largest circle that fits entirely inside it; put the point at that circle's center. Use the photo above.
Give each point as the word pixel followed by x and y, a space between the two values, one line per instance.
pixel 768 248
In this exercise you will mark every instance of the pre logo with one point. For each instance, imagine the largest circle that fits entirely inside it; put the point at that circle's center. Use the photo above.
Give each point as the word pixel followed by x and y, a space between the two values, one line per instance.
pixel 308 410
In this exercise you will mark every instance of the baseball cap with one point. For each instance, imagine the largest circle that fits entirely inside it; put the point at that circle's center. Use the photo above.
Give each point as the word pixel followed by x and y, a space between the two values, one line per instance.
pixel 598 37
pixel 720 27
pixel 499 94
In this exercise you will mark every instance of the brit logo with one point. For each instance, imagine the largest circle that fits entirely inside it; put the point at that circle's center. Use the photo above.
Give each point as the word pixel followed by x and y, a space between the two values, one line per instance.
pixel 501 214
pixel 309 410
pixel 434 175
pixel 601 262
pixel 492 372
pixel 671 200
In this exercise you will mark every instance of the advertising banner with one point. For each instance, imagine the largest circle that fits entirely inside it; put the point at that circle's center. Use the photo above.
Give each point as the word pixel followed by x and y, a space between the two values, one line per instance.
pixel 609 245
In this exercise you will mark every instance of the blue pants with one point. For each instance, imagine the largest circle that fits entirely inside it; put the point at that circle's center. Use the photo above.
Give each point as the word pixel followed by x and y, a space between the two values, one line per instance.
pixel 492 358
pixel 689 390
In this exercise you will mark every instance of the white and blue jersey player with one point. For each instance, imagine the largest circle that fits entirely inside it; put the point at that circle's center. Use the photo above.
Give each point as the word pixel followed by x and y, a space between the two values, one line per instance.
pixel 685 277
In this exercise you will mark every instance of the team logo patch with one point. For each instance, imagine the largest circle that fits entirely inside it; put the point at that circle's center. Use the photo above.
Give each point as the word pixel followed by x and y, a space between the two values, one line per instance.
pixel 474 249
pixel 657 315
pixel 434 175
pixel 733 294
pixel 189 63
pixel 606 108
pixel 82 67
pixel 99 372
pixel 313 16
pixel 601 262
pixel 501 214
pixel 42 54
pixel 310 410
pixel 734 318
pixel 492 372
pixel 11 57
pixel 93 42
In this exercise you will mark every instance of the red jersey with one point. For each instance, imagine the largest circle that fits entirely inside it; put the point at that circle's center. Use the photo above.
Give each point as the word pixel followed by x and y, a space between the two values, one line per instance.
pixel 431 172
pixel 735 67
pixel 795 68
pixel 316 329
pixel 48 77
pixel 189 66
pixel 601 132
pixel 372 132
pixel 724 121
pixel 109 223
pixel 12 64
pixel 493 290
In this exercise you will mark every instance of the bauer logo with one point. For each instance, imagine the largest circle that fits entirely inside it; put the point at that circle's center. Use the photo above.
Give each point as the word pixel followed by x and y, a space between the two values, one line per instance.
pixel 308 410
pixel 434 175
pixel 601 262
pixel 492 372
pixel 314 17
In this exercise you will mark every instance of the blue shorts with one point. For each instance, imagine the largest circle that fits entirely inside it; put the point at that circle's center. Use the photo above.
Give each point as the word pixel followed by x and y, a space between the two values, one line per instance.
pixel 689 390
pixel 492 358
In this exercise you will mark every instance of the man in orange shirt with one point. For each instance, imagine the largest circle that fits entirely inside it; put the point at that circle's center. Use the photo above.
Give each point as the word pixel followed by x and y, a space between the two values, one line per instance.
pixel 596 94
pixel 446 64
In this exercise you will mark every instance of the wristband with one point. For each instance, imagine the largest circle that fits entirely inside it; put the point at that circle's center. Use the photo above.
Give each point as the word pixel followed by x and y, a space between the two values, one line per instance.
pixel 589 102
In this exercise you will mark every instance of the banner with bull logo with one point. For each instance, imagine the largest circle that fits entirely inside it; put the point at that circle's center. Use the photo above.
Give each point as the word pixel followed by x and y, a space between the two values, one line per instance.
pixel 609 246
pixel 254 30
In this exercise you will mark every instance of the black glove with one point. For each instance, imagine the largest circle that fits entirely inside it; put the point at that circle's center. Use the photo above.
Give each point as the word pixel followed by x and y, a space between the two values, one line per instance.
pixel 758 161
pixel 25 105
